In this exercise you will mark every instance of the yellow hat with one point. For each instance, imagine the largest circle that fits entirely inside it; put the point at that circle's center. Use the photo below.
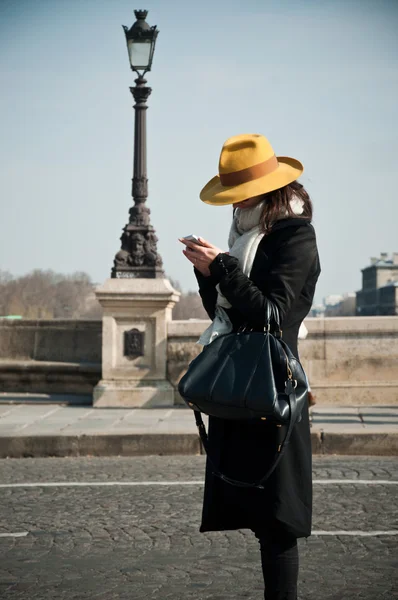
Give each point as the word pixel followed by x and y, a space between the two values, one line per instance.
pixel 248 167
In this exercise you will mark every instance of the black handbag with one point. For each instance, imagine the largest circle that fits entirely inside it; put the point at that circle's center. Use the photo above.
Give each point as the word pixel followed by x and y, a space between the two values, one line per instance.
pixel 247 375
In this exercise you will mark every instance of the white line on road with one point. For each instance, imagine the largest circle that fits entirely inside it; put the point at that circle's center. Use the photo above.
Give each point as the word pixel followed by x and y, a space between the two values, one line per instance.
pixel 356 533
pixel 171 483
pixel 96 483
pixel 315 532
pixel 355 481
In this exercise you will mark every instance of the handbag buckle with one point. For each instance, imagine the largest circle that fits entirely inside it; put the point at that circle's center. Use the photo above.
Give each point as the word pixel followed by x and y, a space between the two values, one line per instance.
pixel 290 384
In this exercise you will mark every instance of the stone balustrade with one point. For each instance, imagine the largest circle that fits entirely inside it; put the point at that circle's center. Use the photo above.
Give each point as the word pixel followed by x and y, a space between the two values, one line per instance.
pixel 349 360
pixel 55 356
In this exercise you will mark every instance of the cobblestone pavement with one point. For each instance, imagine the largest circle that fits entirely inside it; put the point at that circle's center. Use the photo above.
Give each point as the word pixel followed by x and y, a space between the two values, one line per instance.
pixel 134 542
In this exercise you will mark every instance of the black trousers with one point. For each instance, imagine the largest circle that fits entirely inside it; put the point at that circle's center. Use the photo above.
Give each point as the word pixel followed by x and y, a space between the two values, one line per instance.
pixel 280 564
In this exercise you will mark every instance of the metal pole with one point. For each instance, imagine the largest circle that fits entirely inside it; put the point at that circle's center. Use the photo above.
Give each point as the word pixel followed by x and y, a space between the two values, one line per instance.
pixel 138 256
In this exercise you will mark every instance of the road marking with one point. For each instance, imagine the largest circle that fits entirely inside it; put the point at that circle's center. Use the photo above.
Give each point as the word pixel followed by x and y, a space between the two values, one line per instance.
pixel 356 533
pixel 355 481
pixel 171 483
pixel 96 483
pixel 315 532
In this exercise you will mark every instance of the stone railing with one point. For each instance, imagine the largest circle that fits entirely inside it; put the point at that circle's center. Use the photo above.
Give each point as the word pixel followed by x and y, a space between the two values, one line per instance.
pixel 57 356
pixel 349 360
pixel 352 360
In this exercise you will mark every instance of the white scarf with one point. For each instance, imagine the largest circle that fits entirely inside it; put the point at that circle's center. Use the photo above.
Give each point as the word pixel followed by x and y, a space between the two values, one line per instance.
pixel 244 238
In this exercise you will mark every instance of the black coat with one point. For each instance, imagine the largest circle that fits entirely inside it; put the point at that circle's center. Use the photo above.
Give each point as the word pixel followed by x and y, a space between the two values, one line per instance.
pixel 285 270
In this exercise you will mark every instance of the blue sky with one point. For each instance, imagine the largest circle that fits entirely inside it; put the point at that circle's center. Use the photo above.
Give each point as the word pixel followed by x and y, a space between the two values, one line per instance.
pixel 319 79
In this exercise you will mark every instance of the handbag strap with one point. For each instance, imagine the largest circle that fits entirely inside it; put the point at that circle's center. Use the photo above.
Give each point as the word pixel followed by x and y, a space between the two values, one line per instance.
pixel 272 313
pixel 291 394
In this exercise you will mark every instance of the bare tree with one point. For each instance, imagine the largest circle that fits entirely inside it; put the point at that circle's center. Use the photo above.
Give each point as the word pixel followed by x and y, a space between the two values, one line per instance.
pixel 46 295
pixel 190 304
pixel 189 307
pixel 5 290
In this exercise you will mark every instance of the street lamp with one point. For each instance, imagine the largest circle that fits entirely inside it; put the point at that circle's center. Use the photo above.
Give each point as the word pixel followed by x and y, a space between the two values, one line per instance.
pixel 141 40
pixel 138 256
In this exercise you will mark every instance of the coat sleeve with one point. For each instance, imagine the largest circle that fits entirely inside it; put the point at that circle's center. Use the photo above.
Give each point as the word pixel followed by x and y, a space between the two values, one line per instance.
pixel 283 281
pixel 208 292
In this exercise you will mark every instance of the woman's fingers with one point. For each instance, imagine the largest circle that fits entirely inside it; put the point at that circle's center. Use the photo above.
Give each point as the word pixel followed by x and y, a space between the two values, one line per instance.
pixel 200 256
pixel 189 256
pixel 195 260
pixel 188 244
pixel 193 248
pixel 205 243
pixel 193 245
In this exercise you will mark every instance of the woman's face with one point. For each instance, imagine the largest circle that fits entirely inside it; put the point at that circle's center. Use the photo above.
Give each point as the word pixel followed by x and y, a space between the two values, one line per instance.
pixel 249 202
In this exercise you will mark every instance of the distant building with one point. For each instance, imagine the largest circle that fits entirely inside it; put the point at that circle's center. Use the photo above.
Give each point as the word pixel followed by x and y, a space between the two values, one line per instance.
pixel 332 300
pixel 335 305
pixel 317 311
pixel 379 293
pixel 344 307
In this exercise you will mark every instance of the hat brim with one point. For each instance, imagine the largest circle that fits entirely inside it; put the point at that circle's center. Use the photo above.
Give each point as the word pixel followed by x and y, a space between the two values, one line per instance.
pixel 214 193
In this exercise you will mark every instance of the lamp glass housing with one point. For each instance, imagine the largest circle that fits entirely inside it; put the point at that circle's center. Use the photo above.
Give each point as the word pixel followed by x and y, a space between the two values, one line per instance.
pixel 140 54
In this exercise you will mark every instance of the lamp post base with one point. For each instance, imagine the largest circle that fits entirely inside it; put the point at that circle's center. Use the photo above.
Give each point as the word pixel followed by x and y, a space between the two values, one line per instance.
pixel 134 343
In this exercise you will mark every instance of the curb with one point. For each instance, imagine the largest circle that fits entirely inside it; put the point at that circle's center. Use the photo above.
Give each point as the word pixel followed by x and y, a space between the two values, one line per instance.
pixel 348 444
pixel 99 445
pixel 355 444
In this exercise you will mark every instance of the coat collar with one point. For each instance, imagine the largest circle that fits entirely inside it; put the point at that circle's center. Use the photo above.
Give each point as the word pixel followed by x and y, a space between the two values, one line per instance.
pixel 290 222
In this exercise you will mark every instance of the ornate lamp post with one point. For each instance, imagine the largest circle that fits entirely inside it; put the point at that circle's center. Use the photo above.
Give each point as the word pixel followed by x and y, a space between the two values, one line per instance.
pixel 138 256
pixel 137 300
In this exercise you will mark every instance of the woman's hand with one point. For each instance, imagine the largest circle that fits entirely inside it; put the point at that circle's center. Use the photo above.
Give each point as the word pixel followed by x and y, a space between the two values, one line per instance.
pixel 200 256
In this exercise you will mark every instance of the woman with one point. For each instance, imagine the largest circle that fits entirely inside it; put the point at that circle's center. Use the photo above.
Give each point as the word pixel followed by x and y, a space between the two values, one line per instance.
pixel 272 257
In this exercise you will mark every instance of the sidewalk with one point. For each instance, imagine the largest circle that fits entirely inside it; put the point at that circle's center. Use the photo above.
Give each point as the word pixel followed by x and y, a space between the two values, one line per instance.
pixel 59 430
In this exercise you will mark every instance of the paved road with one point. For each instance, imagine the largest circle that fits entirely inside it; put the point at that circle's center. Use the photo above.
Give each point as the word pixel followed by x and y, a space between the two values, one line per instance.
pixel 142 541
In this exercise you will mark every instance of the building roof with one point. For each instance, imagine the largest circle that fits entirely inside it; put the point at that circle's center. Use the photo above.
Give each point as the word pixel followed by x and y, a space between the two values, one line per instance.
pixel 381 264
pixel 384 261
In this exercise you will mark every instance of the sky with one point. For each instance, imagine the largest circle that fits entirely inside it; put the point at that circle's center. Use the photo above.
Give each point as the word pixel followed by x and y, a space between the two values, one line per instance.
pixel 318 78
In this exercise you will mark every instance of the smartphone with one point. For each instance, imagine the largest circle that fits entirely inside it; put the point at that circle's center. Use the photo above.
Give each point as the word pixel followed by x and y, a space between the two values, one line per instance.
pixel 193 238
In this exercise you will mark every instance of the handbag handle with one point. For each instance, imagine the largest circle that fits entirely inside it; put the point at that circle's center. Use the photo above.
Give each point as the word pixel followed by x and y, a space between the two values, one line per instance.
pixel 272 313
pixel 291 394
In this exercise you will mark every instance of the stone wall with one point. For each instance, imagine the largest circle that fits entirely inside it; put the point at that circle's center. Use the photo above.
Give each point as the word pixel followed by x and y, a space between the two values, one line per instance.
pixel 57 356
pixel 349 360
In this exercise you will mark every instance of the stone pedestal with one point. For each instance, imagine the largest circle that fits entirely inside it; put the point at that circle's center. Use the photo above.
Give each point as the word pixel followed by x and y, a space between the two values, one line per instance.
pixel 134 343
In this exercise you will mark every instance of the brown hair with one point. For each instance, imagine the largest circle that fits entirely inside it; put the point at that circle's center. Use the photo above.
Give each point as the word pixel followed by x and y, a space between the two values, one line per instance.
pixel 277 203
